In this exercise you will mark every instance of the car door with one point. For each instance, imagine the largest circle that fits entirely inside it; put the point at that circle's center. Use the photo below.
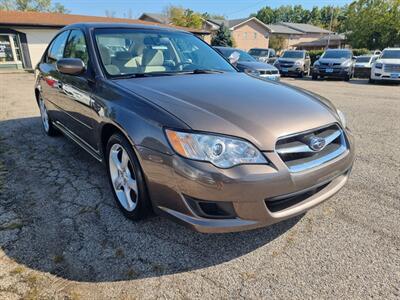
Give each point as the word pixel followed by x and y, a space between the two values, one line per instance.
pixel 77 90
pixel 50 78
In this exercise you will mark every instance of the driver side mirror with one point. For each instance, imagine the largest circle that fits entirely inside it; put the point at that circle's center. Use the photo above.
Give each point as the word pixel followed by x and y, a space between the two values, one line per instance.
pixel 234 57
pixel 70 66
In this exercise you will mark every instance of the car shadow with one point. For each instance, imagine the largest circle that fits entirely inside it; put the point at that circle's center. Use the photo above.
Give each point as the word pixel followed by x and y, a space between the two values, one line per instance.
pixel 57 215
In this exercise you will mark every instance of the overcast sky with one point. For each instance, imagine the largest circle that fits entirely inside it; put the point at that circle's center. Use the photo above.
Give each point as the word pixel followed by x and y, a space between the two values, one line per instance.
pixel 230 8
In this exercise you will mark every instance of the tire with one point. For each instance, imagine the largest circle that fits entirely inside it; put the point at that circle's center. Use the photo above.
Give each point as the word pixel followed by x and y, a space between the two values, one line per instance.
pixel 314 77
pixel 300 75
pixel 347 77
pixel 47 124
pixel 126 179
pixel 370 80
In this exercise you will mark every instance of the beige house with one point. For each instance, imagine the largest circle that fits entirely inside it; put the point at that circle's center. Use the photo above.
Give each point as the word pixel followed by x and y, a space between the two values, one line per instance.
pixel 298 33
pixel 24 36
pixel 247 33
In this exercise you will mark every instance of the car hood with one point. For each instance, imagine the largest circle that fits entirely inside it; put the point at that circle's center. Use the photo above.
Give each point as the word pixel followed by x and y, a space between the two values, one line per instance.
pixel 333 60
pixel 235 104
pixel 256 65
pixel 289 59
pixel 388 61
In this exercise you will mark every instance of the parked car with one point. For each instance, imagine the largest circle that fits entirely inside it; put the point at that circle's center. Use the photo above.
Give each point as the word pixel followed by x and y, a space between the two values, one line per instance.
pixel 335 63
pixel 362 66
pixel 246 63
pixel 267 55
pixel 387 66
pixel 294 62
pixel 182 132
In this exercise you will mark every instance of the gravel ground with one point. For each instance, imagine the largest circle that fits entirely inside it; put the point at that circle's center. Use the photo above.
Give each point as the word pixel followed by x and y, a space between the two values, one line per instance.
pixel 61 235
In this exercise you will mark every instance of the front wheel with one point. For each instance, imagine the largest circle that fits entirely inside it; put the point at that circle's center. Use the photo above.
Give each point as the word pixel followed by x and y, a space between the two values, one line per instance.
pixel 126 178
pixel 347 77
pixel 370 80
pixel 314 77
pixel 48 126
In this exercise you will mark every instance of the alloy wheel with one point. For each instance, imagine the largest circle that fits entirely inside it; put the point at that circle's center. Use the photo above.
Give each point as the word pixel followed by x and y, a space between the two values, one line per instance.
pixel 123 177
pixel 44 115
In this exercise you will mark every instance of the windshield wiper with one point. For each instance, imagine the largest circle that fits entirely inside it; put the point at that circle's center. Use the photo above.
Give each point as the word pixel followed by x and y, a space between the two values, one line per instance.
pixel 172 73
pixel 205 71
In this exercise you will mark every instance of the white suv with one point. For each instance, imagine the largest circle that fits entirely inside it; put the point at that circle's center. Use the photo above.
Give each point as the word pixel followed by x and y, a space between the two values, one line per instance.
pixel 387 66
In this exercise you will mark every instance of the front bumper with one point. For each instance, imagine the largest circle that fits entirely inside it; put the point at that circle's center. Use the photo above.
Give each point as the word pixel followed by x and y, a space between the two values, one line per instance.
pixel 380 74
pixel 332 72
pixel 273 77
pixel 174 181
pixel 293 70
pixel 362 72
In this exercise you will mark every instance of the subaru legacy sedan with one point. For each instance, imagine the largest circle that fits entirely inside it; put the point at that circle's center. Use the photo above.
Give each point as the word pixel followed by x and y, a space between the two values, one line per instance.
pixel 182 133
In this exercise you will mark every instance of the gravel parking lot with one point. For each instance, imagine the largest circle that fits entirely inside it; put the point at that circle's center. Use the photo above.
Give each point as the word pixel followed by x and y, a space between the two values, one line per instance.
pixel 62 236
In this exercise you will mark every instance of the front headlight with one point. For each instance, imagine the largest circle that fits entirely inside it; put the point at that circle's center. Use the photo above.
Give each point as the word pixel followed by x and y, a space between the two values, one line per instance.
pixel 298 63
pixel 342 118
pixel 252 72
pixel 221 151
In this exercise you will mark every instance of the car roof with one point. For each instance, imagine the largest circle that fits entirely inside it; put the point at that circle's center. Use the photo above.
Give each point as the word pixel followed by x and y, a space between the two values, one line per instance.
pixel 95 25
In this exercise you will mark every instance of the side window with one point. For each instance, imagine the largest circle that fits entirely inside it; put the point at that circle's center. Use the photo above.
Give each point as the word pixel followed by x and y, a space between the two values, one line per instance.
pixel 56 48
pixel 76 46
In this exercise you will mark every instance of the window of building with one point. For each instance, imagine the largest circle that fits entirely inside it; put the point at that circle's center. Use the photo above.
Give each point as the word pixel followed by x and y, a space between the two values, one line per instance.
pixel 255 35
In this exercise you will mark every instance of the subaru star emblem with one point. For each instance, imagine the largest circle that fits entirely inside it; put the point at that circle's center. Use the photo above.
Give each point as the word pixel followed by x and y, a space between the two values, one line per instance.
pixel 317 143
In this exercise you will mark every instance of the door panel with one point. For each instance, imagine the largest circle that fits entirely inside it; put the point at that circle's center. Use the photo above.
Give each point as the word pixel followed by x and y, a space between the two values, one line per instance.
pixel 77 90
pixel 50 80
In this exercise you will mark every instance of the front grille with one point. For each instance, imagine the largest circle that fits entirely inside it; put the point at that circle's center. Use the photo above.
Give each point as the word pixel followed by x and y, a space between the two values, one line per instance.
pixel 286 64
pixel 268 72
pixel 330 64
pixel 391 68
pixel 310 149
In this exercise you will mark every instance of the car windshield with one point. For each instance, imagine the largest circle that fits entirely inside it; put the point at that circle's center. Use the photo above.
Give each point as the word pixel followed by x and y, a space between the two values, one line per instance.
pixel 137 52
pixel 391 54
pixel 243 56
pixel 293 54
pixel 259 52
pixel 363 59
pixel 337 54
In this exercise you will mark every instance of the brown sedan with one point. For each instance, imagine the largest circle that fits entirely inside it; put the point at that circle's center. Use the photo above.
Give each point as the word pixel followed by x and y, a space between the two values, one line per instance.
pixel 183 133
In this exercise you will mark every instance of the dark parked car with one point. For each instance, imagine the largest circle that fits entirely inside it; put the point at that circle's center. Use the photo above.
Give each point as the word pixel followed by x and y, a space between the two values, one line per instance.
pixel 294 62
pixel 363 64
pixel 181 132
pixel 267 55
pixel 335 63
pixel 246 63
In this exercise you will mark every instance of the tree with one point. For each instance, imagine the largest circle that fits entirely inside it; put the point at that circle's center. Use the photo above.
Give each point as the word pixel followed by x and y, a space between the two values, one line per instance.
pixel 373 24
pixel 222 37
pixel 277 42
pixel 184 17
pixel 32 5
